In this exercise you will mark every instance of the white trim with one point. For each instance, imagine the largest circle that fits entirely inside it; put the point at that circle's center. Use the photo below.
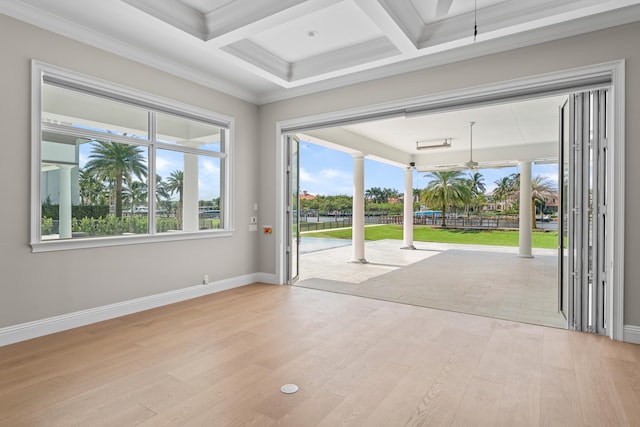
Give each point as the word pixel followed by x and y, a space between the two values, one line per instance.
pixel 36 131
pixel 270 279
pixel 491 93
pixel 125 92
pixel 38 328
pixel 88 36
pixel 101 242
pixel 281 206
pixel 617 192
pixel 632 334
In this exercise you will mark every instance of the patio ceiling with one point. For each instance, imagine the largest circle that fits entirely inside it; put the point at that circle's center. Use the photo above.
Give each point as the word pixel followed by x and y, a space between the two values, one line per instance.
pixel 503 134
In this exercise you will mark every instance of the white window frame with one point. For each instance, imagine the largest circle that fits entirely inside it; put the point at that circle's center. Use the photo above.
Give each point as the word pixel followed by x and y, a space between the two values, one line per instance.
pixel 153 102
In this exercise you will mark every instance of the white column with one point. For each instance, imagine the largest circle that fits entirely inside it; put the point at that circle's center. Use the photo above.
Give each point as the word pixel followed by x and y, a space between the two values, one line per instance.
pixel 190 213
pixel 525 210
pixel 357 222
pixel 407 220
pixel 64 201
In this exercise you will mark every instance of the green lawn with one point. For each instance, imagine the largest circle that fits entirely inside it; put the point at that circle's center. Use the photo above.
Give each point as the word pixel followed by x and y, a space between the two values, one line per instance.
pixel 422 233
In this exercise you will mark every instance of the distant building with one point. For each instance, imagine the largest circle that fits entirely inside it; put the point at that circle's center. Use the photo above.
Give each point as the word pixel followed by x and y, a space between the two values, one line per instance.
pixel 551 203
pixel 395 200
pixel 306 196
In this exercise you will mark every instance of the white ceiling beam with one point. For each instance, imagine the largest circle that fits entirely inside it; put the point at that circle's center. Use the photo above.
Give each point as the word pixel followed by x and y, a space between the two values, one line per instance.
pixel 174 13
pixel 260 58
pixel 381 17
pixel 346 141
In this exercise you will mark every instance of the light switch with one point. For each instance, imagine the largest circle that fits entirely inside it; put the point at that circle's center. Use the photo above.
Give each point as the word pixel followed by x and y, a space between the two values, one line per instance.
pixel 254 220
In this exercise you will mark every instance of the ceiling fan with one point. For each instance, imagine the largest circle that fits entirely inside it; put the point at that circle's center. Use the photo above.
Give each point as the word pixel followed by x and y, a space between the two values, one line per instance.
pixel 471 164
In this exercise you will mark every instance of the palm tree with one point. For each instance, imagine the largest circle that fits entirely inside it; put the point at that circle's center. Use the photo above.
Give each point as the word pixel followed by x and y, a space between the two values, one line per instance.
pixel 91 188
pixel 113 162
pixel 541 189
pixel 375 194
pixel 444 189
pixel 136 193
pixel 388 194
pixel 504 187
pixel 476 187
pixel 163 195
pixel 175 184
pixel 476 184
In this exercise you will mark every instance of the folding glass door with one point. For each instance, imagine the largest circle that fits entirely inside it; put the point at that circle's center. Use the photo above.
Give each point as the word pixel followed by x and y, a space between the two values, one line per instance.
pixel 583 265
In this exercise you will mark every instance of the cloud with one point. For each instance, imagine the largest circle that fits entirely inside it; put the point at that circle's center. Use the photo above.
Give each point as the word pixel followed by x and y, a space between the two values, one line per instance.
pixel 327 181
pixel 208 178
pixel 167 162
pixel 209 166
pixel 82 159
pixel 335 174
pixel 306 177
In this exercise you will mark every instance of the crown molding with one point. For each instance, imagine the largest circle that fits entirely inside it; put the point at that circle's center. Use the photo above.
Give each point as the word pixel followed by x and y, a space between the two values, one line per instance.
pixel 89 36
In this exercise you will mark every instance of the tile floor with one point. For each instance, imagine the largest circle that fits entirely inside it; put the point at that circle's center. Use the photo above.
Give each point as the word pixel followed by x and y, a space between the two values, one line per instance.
pixel 484 280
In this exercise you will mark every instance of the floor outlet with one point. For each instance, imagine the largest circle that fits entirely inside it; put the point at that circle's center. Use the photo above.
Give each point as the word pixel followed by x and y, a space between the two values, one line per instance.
pixel 205 279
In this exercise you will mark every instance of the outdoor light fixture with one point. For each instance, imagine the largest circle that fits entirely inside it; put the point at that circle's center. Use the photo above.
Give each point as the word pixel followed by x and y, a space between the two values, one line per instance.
pixel 431 143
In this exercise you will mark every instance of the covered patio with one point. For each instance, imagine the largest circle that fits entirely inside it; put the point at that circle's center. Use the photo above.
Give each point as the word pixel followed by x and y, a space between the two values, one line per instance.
pixel 515 283
pixel 488 281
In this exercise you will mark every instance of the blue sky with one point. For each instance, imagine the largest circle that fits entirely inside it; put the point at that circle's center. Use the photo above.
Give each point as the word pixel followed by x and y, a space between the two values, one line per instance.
pixel 329 172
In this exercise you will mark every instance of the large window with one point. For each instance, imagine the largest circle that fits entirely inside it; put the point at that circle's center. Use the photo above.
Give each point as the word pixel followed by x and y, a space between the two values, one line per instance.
pixel 115 166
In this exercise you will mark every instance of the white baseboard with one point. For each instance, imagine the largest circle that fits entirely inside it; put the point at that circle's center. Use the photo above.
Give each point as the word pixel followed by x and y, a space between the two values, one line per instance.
pixel 632 334
pixel 267 278
pixel 38 328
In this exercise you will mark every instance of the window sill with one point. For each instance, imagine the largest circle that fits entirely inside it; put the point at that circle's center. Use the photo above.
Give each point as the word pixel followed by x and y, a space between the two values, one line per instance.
pixel 100 242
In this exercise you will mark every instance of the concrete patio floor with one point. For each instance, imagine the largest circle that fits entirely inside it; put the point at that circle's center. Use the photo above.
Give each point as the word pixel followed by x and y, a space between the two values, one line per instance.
pixel 488 281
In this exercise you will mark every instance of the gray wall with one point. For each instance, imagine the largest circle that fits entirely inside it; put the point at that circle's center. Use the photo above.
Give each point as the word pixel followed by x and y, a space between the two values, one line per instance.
pixel 613 44
pixel 40 285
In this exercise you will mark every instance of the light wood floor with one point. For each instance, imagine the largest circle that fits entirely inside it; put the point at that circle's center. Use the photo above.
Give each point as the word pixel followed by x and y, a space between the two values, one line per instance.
pixel 220 360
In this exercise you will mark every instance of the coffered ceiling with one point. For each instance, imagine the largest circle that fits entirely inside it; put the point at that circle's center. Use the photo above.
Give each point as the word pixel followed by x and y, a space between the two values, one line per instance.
pixel 262 50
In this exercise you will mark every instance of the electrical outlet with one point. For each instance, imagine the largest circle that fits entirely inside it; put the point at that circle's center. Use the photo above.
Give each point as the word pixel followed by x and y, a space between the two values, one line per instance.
pixel 205 279
pixel 254 220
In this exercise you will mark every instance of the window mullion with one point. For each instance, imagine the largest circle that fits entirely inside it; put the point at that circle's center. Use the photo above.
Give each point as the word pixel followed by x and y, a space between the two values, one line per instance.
pixel 92 135
pixel 190 150
pixel 151 192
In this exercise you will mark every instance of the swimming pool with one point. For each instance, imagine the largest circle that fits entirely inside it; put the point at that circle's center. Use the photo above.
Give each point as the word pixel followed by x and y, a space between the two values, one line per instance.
pixel 314 244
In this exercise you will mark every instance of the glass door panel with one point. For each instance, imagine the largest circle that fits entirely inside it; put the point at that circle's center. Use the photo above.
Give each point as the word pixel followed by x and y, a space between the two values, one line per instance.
pixel 563 222
pixel 293 213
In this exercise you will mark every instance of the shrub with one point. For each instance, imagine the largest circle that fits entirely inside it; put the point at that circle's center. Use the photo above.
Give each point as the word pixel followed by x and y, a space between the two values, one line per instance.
pixel 77 211
pixel 46 225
